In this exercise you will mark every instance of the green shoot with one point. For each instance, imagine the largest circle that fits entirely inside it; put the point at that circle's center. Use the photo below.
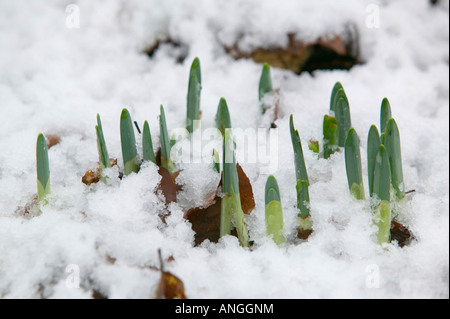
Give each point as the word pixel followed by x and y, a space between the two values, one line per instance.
pixel 193 96
pixel 147 145
pixel 393 149
pixel 223 120
pixel 334 94
pixel 314 146
pixel 43 170
pixel 330 136
pixel 373 147
pixel 128 140
pixel 385 114
pixel 302 186
pixel 101 145
pixel 381 189
pixel 353 165
pixel 344 122
pixel 231 202
pixel 216 161
pixel 265 85
pixel 166 159
pixel 274 212
pixel 300 167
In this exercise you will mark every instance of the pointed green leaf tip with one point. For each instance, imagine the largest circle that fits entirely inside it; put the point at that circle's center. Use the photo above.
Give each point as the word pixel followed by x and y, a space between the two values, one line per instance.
pixel 223 120
pixel 43 168
pixel 353 165
pixel 334 93
pixel 166 160
pixel 393 148
pixel 101 145
pixel 343 118
pixel 373 147
pixel 382 175
pixel 385 114
pixel 265 83
pixel 147 144
pixel 128 141
pixel 330 136
pixel 193 97
pixel 274 213
pixel 272 191
pixel 299 161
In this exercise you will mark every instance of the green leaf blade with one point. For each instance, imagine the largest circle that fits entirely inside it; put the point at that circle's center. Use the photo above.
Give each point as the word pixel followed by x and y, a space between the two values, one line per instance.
pixel 343 118
pixel 42 168
pixel 101 145
pixel 193 96
pixel 147 145
pixel 385 114
pixel 334 93
pixel 353 165
pixel 330 136
pixel 393 148
pixel 223 119
pixel 299 161
pixel 303 201
pixel 265 85
pixel 128 142
pixel 373 147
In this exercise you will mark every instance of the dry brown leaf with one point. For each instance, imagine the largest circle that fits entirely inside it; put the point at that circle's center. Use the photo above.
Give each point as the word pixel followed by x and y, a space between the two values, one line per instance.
pixel 52 140
pixel 401 234
pixel 93 177
pixel 246 191
pixel 170 287
pixel 304 234
pixel 167 186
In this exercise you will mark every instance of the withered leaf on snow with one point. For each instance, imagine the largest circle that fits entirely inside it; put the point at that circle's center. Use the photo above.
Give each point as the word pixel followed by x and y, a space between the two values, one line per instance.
pixel 93 176
pixel 205 220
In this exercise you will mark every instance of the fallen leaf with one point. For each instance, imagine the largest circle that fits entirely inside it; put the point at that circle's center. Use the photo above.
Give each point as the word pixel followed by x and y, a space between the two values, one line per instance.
pixel 170 287
pixel 246 191
pixel 167 186
pixel 93 177
pixel 401 234
pixel 304 234
pixel 52 140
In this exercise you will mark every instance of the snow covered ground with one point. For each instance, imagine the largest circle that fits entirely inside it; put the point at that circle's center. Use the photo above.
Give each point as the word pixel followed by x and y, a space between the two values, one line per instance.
pixel 55 78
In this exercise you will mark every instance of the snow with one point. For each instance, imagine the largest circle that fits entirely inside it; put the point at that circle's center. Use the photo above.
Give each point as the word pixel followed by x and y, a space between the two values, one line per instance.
pixel 55 79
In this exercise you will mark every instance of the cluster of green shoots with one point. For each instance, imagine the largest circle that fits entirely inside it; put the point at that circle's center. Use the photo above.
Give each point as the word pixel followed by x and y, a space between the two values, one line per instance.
pixel 383 153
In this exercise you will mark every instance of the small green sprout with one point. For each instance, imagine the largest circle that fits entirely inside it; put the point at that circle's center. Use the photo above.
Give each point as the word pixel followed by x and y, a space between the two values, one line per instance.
pixel 128 141
pixel 166 159
pixel 353 165
pixel 314 146
pixel 265 85
pixel 381 198
pixel 147 144
pixel 274 212
pixel 344 122
pixel 43 170
pixel 193 96
pixel 231 202
pixel 101 146
pixel 373 147
pixel 393 149
pixel 385 114
pixel 330 136
pixel 334 94
pixel 223 120
pixel 302 186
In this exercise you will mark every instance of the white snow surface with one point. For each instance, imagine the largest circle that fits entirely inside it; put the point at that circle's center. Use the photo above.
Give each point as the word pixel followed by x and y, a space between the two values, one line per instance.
pixel 55 79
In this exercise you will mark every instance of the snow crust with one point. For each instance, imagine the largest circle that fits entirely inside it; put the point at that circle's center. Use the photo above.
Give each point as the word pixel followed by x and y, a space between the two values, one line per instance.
pixel 54 80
